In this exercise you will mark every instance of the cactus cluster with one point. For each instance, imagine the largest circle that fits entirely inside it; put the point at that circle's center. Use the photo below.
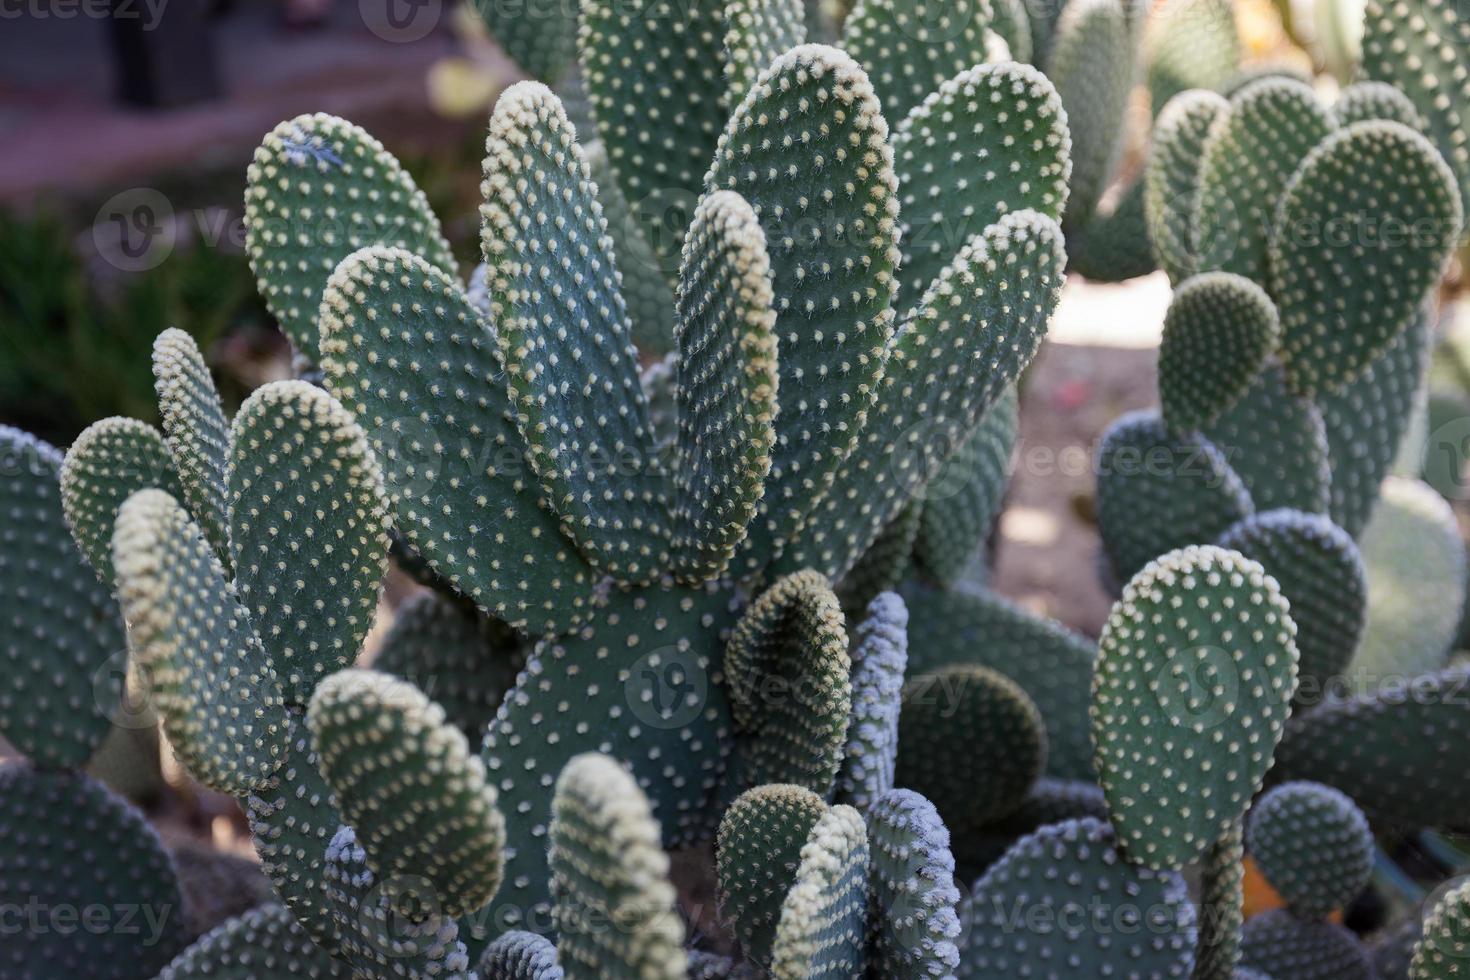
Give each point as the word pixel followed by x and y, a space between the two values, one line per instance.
pixel 715 624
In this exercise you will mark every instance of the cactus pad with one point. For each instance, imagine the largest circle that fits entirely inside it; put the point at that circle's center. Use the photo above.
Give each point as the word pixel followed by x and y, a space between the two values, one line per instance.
pixel 318 189
pixel 213 683
pixel 1276 443
pixel 821 931
pixel 1171 180
pixel 1313 846
pixel 452 459
pixel 410 785
pixel 308 532
pixel 1351 264
pixel 757 32
pixel 726 395
pixel 1197 666
pixel 1091 62
pixel 790 693
pixel 1285 947
pixel 540 36
pixel 607 867
pixel 1222 898
pixel 519 955
pixel 1362 101
pixel 912 921
pixel 198 433
pixel 1218 331
pixel 884 566
pixel 879 658
pixel 911 47
pixel 1444 949
pixel 264 943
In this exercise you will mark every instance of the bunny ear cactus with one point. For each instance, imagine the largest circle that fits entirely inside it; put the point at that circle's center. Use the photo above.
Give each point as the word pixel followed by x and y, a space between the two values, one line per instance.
pixel 1222 899
pixel 540 36
pixel 821 931
pixel 1218 332
pixel 1313 846
pixel 519 955
pixel 912 922
pixel 879 657
pixel 1171 180
pixel 757 32
pixel 198 434
pixel 1441 952
pixel 263 944
pixel 1276 442
pixel 910 47
pixel 1363 101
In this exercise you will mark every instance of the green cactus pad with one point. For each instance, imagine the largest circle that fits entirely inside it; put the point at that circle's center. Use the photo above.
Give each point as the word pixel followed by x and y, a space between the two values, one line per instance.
pixel 1444 949
pixel 565 340
pixel 991 141
pixel 833 257
pixel 1422 48
pixel 1366 423
pixel 1010 23
pixel 911 47
pixel 540 36
pixel 757 32
pixel 1157 491
pixel 970 740
pixel 1346 285
pixel 758 851
pixel 318 189
pixel 198 433
pixel 1416 570
pixel 1362 101
pixel 1313 846
pixel 788 670
pixel 1385 749
pixel 655 73
pixel 265 943
pixel 607 867
pixel 640 682
pixel 292 819
pixel 1321 573
pixel 519 955
pixel 1196 669
pixel 68 847
pixel 452 459
pixel 1052 664
pixel 1276 442
pixel 108 463
pixel 962 502
pixel 308 536
pixel 464 661
pixel 1247 160
pixel 1285 947
pixel 1091 62
pixel 1114 246
pixel 725 398
pixel 977 329
pixel 213 683
pixel 1222 898
pixel 912 922
pixel 1072 868
pixel 822 928
pixel 1171 180
pixel 879 658
pixel 1218 331
pixel 884 565
pixel 61 626
pixel 409 784
pixel 1190 45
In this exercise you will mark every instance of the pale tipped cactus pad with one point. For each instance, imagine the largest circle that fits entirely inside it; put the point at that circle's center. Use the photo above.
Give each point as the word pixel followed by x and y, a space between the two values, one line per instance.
pixel 1284 946
pixel 453 461
pixel 520 955
pixel 1276 442
pixel 213 683
pixel 198 432
pixel 264 943
pixel 408 783
pixel 63 648
pixel 1196 669
pixel 971 741
pixel 1218 331
pixel 66 842
pixel 820 934
pixel 757 852
pixel 1171 180
pixel 879 658
pixel 1069 868
pixel 912 922
pixel 911 47
pixel 1351 263
pixel 318 189
pixel 308 538
pixel 1313 845
pixel 607 869
pixel 790 688
pixel 1444 949
pixel 562 329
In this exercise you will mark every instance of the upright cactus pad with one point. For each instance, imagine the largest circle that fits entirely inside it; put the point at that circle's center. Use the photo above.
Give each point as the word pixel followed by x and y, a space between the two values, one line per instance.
pixel 757 853
pixel 540 36
pixel 564 338
pixel 1286 947
pixel 912 922
pixel 757 32
pixel 1444 949
pixel 1070 868
pixel 198 432
pixel 1222 898
pixel 911 47
pixel 410 785
pixel 726 392
pixel 821 932
pixel 1351 264
pixel 453 461
pixel 308 538
pixel 1171 180
pixel 61 627
pixel 790 691
pixel 264 943
pixel 1190 44
pixel 221 701
pixel 879 658
pixel 1218 331
pixel 519 955
pixel 1313 846
pixel 1276 442
pixel 1196 670
pixel 1092 65
pixel 607 868
pixel 318 189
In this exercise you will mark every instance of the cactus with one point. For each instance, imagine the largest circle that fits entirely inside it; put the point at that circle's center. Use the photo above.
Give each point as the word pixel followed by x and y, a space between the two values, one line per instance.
pixel 1313 845
pixel 1218 332
pixel 1171 180
pixel 911 48
pixel 1362 101
pixel 879 658
pixel 911 893
pixel 821 931
pixel 1285 947
pixel 262 944
pixel 540 36
pixel 1190 44
pixel 518 955
pixel 1222 897
pixel 757 32
pixel 1277 444
pixel 1440 952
